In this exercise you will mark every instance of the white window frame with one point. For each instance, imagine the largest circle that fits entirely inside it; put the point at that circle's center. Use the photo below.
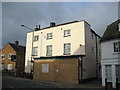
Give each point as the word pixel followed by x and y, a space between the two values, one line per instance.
pixel 36 38
pixel 49 36
pixel 35 51
pixel 49 50
pixel 3 55
pixel 67 48
pixel 67 33
pixel 116 47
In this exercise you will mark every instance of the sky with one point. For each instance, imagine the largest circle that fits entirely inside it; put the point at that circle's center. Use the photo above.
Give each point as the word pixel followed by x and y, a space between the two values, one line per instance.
pixel 14 14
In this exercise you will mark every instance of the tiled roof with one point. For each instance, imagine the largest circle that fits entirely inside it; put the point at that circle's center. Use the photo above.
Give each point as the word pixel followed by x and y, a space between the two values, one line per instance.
pixel 112 31
pixel 18 48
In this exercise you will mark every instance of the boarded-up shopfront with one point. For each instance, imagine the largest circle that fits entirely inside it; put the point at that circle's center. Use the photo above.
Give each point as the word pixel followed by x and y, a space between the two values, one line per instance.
pixel 60 69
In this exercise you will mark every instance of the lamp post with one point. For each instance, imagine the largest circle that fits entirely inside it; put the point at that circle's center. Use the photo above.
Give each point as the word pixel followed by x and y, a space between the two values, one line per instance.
pixel 32 45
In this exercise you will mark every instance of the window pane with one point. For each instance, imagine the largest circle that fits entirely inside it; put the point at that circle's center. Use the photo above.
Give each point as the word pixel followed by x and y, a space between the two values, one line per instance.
pixel 36 38
pixel 67 33
pixel 35 51
pixel 49 36
pixel 49 50
pixel 67 47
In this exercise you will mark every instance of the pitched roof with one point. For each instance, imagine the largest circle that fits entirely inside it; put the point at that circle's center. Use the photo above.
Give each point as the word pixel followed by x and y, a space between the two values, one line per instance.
pixel 18 48
pixel 112 31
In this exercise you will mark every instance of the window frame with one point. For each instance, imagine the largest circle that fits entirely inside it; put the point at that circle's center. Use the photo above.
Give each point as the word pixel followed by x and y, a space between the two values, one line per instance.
pixel 116 47
pixel 67 49
pixel 49 36
pixel 35 51
pixel 36 38
pixel 49 50
pixel 2 56
pixel 66 34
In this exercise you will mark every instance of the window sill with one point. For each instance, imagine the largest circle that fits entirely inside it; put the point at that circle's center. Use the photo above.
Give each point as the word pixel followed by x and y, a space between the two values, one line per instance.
pixel 115 53
pixel 67 36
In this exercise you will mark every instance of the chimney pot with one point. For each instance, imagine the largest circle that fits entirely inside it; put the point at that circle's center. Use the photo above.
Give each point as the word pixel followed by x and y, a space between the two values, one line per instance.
pixel 16 42
pixel 52 24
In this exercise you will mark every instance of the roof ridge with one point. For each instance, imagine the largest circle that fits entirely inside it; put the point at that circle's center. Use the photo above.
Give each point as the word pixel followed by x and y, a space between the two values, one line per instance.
pixel 17 45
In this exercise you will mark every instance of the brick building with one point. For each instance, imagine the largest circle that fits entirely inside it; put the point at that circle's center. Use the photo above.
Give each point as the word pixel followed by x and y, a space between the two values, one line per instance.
pixel 16 50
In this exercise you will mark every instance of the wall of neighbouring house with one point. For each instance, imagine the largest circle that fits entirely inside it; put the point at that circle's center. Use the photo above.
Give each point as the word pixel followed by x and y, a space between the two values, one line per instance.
pixel 21 61
pixel 8 50
pixel 90 61
pixel 59 70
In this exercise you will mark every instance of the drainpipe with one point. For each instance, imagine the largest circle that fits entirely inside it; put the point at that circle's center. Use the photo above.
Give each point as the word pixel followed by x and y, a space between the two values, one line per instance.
pixel 96 57
pixel 80 63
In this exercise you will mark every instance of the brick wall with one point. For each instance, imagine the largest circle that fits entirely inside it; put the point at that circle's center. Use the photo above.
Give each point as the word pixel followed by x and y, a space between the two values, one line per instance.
pixel 8 50
pixel 60 70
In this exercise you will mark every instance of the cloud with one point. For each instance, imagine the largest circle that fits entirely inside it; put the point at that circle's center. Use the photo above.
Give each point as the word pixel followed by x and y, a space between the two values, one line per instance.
pixel 98 15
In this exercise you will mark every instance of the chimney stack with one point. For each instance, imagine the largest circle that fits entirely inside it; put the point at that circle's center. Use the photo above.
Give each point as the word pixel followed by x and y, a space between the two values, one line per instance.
pixel 16 42
pixel 37 28
pixel 52 24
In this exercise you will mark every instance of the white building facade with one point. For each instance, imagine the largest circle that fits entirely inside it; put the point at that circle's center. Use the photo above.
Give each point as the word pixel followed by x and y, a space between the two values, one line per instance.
pixel 110 50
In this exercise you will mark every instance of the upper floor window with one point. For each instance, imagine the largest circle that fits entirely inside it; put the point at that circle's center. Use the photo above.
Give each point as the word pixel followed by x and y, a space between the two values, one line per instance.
pixel 67 48
pixel 9 56
pixel 49 35
pixel 49 50
pixel 36 38
pixel 3 56
pixel 35 51
pixel 67 33
pixel 116 46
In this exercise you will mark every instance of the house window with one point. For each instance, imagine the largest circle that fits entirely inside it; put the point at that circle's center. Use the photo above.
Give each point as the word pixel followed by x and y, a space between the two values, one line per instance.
pixel 49 50
pixel 3 57
pixel 35 51
pixel 67 33
pixel 49 36
pixel 36 38
pixel 116 46
pixel 67 49
pixel 9 56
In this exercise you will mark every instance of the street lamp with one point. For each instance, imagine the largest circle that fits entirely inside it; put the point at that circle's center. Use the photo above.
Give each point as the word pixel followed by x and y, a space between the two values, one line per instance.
pixel 32 43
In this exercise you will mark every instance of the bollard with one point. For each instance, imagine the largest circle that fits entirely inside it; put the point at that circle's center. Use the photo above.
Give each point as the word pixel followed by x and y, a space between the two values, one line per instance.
pixel 106 84
pixel 116 83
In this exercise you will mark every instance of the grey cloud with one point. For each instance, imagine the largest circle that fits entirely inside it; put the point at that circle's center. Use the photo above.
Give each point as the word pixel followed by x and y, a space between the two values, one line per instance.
pixel 30 14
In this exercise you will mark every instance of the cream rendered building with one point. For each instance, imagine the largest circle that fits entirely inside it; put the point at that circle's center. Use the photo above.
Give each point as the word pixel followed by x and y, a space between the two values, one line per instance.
pixel 72 39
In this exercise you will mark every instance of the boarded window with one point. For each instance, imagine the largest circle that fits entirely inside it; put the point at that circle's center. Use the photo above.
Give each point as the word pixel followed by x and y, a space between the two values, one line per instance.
pixel 45 68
